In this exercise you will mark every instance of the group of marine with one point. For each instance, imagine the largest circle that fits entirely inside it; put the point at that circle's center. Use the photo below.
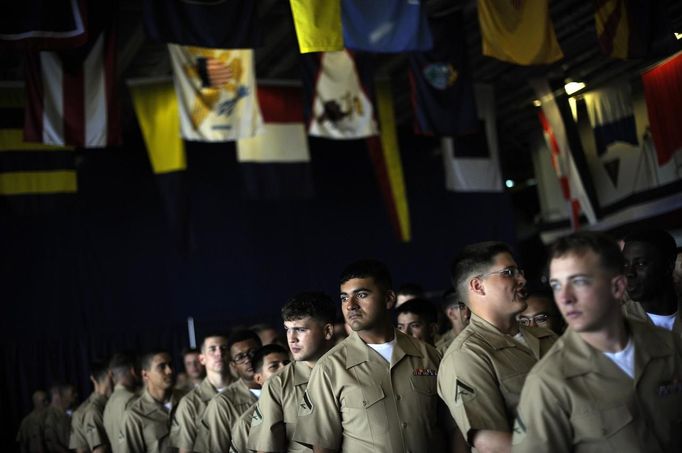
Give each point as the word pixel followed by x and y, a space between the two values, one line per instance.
pixel 592 363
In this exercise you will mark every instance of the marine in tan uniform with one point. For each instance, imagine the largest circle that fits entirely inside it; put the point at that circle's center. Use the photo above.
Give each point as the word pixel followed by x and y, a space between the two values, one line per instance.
pixel 418 318
pixel 649 266
pixel 224 409
pixel 610 383
pixel 146 424
pixel 214 358
pixel 267 362
pixel 309 323
pixel 458 314
pixel 482 373
pixel 30 436
pixel 58 418
pixel 87 425
pixel 376 390
pixel 122 366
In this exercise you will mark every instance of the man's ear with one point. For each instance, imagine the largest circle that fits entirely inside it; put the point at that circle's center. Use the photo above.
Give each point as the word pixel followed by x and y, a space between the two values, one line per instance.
pixel 202 359
pixel 390 299
pixel 328 331
pixel 258 378
pixel 144 374
pixel 476 286
pixel 619 285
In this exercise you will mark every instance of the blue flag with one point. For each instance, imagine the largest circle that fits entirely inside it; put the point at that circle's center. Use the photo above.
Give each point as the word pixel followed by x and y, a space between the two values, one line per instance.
pixel 442 88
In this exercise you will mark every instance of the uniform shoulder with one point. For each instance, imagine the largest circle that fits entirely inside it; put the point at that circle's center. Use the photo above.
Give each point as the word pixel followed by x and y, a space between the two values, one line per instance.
pixel 338 352
pixel 551 363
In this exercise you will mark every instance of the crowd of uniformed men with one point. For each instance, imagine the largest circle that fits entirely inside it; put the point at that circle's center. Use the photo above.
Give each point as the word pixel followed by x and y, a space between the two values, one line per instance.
pixel 595 368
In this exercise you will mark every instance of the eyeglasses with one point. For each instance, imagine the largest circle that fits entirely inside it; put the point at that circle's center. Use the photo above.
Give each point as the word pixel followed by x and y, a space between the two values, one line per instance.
pixel 540 318
pixel 243 357
pixel 507 272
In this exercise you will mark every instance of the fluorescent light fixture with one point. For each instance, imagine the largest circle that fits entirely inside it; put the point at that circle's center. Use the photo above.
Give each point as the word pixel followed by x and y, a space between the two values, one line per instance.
pixel 537 102
pixel 678 35
pixel 573 87
pixel 509 183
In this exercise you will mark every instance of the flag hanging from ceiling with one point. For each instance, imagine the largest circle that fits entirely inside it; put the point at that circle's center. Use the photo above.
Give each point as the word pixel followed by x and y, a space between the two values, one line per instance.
pixel 43 24
pixel 34 178
pixel 385 25
pixel 471 158
pixel 388 165
pixel 216 90
pixel 72 97
pixel 318 25
pixel 156 107
pixel 518 31
pixel 224 24
pixel 571 181
pixel 442 87
pixel 276 163
pixel 611 116
pixel 338 90
pixel 663 95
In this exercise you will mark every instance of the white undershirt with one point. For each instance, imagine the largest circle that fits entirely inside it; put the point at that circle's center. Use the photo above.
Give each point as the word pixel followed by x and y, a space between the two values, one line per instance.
pixel 256 392
pixel 220 389
pixel 385 350
pixel 625 359
pixel 168 405
pixel 519 337
pixel 663 321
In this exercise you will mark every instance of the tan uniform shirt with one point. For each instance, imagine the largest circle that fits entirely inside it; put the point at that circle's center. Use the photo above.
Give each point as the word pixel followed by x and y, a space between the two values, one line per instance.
pixel 221 413
pixel 356 402
pixel 114 412
pixel 635 310
pixel 146 426
pixel 445 341
pixel 57 428
pixel 240 431
pixel 31 432
pixel 87 426
pixel 274 422
pixel 188 415
pixel 577 400
pixel 483 371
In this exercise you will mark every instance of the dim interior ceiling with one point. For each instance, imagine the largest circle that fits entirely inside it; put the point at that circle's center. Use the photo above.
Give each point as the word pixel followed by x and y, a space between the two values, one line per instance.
pixel 517 122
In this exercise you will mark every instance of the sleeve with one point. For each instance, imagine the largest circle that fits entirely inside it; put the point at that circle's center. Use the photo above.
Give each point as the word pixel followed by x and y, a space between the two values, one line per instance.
pixel 183 431
pixel 470 389
pixel 240 433
pixel 541 423
pixel 76 439
pixel 319 416
pixel 131 437
pixel 267 424
pixel 217 426
pixel 93 427
pixel 52 432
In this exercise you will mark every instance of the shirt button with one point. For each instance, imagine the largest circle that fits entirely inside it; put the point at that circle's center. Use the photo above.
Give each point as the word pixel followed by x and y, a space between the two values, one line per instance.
pixel 398 397
pixel 404 425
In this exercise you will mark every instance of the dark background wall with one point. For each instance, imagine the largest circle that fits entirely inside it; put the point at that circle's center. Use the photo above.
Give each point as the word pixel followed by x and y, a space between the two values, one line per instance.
pixel 103 272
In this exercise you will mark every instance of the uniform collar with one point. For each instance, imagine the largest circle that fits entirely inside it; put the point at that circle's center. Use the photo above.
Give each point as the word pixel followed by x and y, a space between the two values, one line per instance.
pixel 358 351
pixel 498 340
pixel 150 405
pixel 301 373
pixel 586 359
pixel 205 390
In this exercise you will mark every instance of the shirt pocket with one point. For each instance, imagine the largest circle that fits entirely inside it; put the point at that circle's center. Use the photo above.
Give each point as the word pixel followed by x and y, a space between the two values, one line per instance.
pixel 365 406
pixel 425 388
pixel 599 424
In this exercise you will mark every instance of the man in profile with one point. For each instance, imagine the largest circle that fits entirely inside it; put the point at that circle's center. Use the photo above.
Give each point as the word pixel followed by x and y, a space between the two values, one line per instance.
pixel 124 375
pixel 610 383
pixel 58 417
pixel 31 430
pixel 458 314
pixel 87 424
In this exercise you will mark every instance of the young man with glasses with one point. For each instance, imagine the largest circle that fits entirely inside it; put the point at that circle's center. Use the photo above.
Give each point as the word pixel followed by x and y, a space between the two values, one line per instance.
pixel 226 407
pixel 541 311
pixel 481 376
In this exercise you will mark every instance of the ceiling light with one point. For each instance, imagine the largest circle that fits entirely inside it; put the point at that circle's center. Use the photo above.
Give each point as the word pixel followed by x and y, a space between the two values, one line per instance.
pixel 573 87
pixel 537 102
pixel 509 183
pixel 678 35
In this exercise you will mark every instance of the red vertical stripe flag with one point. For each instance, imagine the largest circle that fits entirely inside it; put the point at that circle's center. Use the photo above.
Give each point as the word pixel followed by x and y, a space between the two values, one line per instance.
pixel 71 96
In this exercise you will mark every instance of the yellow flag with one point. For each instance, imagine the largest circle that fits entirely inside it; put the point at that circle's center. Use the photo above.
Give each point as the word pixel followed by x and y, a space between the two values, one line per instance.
pixel 156 108
pixel 613 31
pixel 318 25
pixel 518 31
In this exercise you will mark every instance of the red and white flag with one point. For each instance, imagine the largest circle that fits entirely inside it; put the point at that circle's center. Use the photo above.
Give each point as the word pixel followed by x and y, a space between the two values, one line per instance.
pixel 71 97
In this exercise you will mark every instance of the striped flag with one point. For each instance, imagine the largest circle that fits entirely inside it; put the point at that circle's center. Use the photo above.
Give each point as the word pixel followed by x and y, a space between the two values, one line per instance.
pixel 611 116
pixel 72 96
pixel 338 96
pixel 216 90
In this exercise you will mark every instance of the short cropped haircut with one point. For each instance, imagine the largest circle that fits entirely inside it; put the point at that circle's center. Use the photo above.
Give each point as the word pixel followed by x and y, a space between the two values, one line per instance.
pixel 368 268
pixel 259 356
pixel 316 305
pixel 579 243
pixel 242 335
pixel 211 335
pixel 99 369
pixel 420 307
pixel 121 362
pixel 411 289
pixel 661 240
pixel 148 357
pixel 473 260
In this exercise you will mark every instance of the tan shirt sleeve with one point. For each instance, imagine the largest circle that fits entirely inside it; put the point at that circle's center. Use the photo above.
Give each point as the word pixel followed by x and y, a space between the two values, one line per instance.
pixel 93 427
pixel 217 425
pixel 268 432
pixel 469 388
pixel 52 432
pixel 240 433
pixel 541 424
pixel 319 421
pixel 183 431
pixel 131 437
pixel 76 438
